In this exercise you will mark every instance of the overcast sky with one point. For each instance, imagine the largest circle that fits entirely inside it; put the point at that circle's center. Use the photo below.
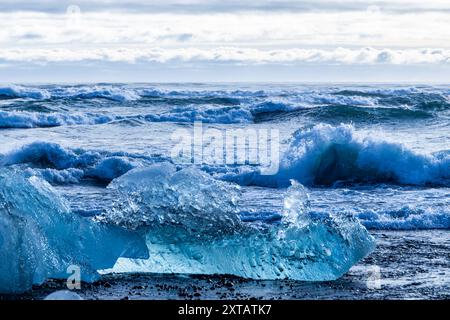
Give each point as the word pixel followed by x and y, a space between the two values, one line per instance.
pixel 195 40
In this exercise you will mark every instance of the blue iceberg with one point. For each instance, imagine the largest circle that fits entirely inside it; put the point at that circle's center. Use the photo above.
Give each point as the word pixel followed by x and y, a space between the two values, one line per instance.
pixel 189 199
pixel 192 226
pixel 40 237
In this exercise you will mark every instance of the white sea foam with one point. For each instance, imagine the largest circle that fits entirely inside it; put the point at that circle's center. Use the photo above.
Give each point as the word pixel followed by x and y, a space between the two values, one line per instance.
pixel 324 155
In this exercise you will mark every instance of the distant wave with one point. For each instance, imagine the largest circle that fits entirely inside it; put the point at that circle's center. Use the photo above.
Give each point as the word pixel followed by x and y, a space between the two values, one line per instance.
pixel 353 105
pixel 123 93
pixel 413 97
pixel 13 92
pixel 309 96
pixel 222 115
pixel 402 219
pixel 110 93
pixel 225 115
pixel 385 91
pixel 304 100
pixel 75 92
pixel 191 100
pixel 325 155
pixel 218 106
pixel 22 119
pixel 206 94
pixel 339 113
pixel 406 219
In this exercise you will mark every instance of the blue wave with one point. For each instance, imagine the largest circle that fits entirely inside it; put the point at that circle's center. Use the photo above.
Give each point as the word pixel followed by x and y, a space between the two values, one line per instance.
pixel 69 92
pixel 13 92
pixel 216 106
pixel 325 155
pixel 403 219
pixel 224 115
pixel 406 219
pixel 22 119
pixel 59 165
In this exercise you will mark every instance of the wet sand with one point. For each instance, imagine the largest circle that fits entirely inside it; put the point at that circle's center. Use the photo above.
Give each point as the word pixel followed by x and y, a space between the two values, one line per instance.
pixel 405 265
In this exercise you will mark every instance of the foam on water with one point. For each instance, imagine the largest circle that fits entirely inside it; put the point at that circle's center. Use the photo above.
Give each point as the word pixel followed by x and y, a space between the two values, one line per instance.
pixel 14 91
pixel 24 119
pixel 406 218
pixel 117 93
pixel 225 115
pixel 21 119
pixel 219 106
pixel 57 164
pixel 324 155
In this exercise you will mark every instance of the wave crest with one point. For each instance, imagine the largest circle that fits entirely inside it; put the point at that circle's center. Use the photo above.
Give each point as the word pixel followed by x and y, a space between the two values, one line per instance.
pixel 59 165
pixel 325 155
pixel 21 119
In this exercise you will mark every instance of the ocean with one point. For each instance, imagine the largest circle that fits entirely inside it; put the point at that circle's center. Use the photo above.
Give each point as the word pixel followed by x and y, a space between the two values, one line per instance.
pixel 366 162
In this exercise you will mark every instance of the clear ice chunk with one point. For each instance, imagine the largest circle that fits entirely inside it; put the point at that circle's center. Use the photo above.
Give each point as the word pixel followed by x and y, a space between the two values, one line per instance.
pixel 189 199
pixel 192 227
pixel 40 237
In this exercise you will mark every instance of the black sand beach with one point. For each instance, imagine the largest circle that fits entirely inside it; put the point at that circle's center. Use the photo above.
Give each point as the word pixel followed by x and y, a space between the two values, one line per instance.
pixel 411 266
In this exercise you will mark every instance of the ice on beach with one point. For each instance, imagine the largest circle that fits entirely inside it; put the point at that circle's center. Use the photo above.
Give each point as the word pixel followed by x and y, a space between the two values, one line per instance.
pixel 160 195
pixel 63 295
pixel 192 227
pixel 40 237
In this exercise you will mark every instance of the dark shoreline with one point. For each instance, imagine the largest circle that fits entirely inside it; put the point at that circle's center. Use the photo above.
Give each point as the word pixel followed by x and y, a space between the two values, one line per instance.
pixel 412 265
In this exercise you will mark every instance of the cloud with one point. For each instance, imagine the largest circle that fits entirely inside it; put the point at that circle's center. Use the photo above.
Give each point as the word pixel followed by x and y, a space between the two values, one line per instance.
pixel 261 36
pixel 265 30
pixel 231 55
pixel 205 6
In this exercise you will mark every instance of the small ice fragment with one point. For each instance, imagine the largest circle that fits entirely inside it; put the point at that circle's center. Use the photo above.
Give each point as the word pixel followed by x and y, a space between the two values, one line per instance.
pixel 63 295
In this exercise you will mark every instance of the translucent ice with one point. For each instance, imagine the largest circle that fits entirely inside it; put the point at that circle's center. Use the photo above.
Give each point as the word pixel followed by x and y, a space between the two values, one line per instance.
pixel 189 199
pixel 63 295
pixel 40 238
pixel 192 227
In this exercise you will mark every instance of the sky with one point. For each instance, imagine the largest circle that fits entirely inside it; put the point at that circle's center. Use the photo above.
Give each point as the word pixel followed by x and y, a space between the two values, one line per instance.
pixel 224 41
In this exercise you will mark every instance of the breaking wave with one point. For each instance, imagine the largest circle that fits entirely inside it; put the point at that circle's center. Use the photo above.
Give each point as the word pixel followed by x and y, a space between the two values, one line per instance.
pixel 25 120
pixel 21 119
pixel 13 92
pixel 406 218
pixel 226 115
pixel 69 92
pixel 59 165
pixel 325 155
